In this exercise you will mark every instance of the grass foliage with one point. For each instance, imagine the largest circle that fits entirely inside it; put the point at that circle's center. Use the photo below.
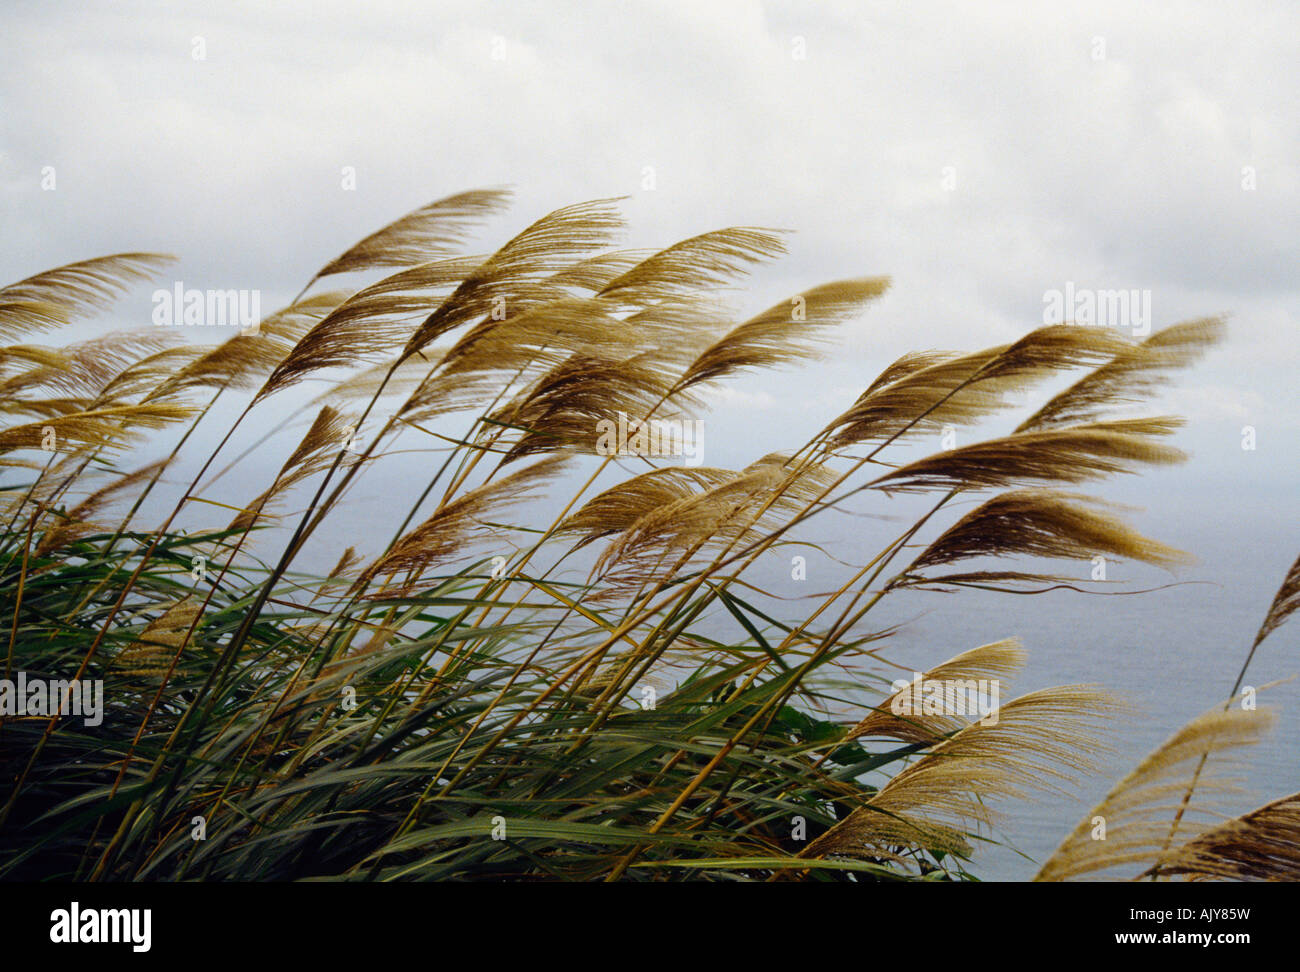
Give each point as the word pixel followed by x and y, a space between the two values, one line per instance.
pixel 469 700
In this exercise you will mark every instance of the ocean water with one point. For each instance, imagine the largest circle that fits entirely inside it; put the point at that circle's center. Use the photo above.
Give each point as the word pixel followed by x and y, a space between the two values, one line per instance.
pixel 1168 654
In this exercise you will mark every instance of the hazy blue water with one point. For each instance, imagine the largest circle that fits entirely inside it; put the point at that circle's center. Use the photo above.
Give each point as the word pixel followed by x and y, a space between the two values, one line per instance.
pixel 1170 654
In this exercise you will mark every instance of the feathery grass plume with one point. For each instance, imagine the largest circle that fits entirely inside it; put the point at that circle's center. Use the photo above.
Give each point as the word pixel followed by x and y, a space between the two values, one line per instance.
pixel 43 406
pixel 565 406
pixel 638 553
pixel 697 263
pixel 1055 347
pixel 458 524
pixel 1136 812
pixel 785 332
pixel 667 317
pixel 1284 604
pixel 922 392
pixel 1041 742
pixel 548 246
pixel 1072 455
pixel 526 296
pixel 539 333
pixel 136 380
pixel 314 454
pixel 369 325
pixel 79 521
pixel 89 366
pixel 20 464
pixel 543 334
pixel 514 337
pixel 151 654
pixel 59 296
pixel 437 229
pixel 908 364
pixel 889 838
pixel 32 354
pixel 678 330
pixel 595 273
pixel 709 519
pixel 1131 376
pixel 140 380
pixel 1039 523
pixel 1003 658
pixel 926 391
pixel 112 427
pixel 1263 845
pixel 341 574
pixel 244 359
pixel 618 508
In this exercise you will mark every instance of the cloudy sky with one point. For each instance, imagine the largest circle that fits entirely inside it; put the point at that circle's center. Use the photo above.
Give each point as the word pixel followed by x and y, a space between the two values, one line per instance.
pixel 980 154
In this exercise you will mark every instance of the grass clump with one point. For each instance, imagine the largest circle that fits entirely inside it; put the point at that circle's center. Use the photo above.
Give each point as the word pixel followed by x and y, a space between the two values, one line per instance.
pixel 526 681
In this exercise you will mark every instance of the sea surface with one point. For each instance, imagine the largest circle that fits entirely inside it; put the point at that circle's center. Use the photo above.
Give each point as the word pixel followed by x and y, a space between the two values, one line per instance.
pixel 1169 654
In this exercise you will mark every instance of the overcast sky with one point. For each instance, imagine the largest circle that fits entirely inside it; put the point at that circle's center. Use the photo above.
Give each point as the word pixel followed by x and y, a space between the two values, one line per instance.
pixel 979 154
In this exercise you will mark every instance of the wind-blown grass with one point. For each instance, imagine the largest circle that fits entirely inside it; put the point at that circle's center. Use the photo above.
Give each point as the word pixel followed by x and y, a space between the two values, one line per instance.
pixel 472 699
